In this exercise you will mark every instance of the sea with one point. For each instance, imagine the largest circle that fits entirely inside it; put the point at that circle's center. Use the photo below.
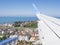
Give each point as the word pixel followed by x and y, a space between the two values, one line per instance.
pixel 14 19
pixel 7 19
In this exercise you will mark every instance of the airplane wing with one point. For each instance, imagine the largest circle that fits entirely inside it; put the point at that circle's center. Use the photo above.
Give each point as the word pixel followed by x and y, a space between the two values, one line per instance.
pixel 49 30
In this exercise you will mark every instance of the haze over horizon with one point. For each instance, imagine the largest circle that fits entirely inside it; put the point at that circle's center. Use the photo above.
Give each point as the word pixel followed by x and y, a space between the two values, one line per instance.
pixel 25 8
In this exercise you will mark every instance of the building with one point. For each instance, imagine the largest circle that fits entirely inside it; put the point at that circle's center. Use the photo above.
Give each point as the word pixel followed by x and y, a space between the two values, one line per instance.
pixel 23 36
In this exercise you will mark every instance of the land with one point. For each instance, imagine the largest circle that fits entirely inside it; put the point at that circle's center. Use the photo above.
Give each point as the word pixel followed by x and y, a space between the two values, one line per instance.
pixel 26 32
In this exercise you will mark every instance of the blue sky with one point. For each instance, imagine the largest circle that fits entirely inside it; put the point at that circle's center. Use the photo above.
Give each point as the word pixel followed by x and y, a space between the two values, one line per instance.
pixel 25 8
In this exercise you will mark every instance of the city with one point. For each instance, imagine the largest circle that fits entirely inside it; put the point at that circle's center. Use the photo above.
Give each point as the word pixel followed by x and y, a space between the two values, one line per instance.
pixel 25 33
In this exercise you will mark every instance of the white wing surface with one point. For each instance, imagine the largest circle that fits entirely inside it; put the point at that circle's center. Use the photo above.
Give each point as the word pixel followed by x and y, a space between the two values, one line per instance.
pixel 49 30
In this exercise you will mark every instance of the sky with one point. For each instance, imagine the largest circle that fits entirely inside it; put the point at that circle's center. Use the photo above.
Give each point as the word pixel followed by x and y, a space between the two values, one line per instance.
pixel 25 7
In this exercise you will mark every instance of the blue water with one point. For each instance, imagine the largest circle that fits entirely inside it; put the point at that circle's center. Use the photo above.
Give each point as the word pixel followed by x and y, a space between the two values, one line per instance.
pixel 14 19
